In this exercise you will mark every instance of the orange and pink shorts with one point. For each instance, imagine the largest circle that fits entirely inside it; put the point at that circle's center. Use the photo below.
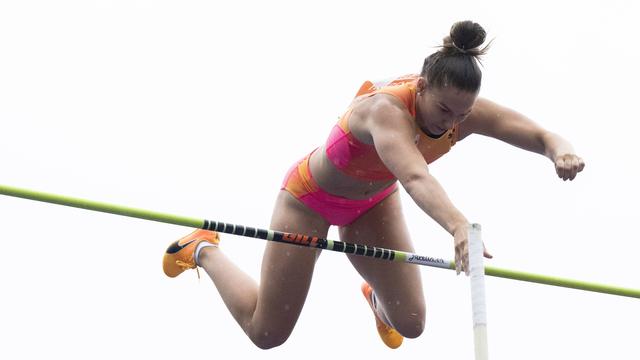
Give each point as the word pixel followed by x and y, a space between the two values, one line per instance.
pixel 336 210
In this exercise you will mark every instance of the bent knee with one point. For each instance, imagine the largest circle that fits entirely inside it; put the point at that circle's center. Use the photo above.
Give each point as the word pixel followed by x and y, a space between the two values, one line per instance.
pixel 411 326
pixel 266 340
pixel 411 330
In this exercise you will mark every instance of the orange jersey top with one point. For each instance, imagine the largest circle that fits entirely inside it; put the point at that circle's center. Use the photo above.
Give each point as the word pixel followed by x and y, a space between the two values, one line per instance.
pixel 361 160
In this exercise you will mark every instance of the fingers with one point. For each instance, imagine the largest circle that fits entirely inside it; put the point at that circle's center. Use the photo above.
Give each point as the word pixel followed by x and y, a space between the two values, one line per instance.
pixel 465 263
pixel 568 166
pixel 560 168
pixel 486 253
pixel 459 251
pixel 462 256
pixel 458 265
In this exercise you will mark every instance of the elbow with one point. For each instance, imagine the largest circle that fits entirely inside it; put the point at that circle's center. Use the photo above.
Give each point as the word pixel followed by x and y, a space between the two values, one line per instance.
pixel 414 181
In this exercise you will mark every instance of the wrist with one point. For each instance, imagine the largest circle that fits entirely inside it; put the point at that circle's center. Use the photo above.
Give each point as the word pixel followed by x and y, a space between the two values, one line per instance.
pixel 462 225
pixel 555 146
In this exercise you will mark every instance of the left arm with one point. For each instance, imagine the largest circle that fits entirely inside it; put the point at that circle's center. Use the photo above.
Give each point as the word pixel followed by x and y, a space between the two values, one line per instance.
pixel 491 119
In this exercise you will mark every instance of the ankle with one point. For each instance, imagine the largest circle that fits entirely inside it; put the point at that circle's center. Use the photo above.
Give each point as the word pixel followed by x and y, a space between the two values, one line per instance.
pixel 203 251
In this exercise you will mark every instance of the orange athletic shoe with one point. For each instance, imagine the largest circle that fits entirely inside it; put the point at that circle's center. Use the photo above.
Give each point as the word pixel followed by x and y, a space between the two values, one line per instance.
pixel 390 336
pixel 179 255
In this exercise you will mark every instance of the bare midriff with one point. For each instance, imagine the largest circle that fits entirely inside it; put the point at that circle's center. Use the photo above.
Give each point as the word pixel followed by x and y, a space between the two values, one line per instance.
pixel 333 181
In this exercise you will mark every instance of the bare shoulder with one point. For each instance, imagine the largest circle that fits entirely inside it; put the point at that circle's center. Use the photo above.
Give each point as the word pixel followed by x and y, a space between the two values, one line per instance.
pixel 379 112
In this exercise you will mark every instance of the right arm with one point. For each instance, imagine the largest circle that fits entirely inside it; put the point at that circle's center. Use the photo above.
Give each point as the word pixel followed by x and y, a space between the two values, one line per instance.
pixel 392 133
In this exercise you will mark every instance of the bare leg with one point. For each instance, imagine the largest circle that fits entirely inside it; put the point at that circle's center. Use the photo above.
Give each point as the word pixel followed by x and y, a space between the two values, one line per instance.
pixel 267 313
pixel 397 286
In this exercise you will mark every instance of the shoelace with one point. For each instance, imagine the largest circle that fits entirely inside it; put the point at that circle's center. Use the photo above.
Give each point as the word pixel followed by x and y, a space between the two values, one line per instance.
pixel 187 266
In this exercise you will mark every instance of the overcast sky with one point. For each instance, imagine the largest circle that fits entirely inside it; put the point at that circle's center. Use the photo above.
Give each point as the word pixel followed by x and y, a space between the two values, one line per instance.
pixel 199 108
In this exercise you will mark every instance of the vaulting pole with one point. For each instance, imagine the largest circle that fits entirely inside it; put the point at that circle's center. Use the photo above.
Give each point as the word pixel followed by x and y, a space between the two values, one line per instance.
pixel 307 241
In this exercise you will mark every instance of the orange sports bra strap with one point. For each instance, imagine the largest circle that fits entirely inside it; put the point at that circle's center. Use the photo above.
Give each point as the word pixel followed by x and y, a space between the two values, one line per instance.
pixel 405 93
pixel 367 87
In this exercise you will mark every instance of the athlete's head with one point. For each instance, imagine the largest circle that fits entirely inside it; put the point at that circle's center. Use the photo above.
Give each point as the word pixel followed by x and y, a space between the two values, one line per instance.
pixel 450 79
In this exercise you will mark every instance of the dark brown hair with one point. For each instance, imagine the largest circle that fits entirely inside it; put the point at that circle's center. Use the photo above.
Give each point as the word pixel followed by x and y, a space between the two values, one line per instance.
pixel 456 63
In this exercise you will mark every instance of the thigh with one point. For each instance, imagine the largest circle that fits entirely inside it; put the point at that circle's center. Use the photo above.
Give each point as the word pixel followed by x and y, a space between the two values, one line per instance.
pixel 397 286
pixel 287 269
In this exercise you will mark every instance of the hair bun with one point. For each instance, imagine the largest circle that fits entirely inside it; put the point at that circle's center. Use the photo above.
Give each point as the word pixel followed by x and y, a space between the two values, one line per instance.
pixel 465 37
pixel 457 61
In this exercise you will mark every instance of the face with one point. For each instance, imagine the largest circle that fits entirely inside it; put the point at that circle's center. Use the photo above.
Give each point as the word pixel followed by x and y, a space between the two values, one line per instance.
pixel 439 109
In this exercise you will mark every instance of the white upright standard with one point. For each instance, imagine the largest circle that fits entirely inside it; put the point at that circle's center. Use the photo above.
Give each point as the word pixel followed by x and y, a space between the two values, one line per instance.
pixel 478 301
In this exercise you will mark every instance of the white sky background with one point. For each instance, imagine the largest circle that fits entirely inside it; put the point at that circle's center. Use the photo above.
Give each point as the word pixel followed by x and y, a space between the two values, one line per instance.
pixel 198 109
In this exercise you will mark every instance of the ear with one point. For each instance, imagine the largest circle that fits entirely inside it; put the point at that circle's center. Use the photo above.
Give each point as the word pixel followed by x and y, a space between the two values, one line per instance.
pixel 422 84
